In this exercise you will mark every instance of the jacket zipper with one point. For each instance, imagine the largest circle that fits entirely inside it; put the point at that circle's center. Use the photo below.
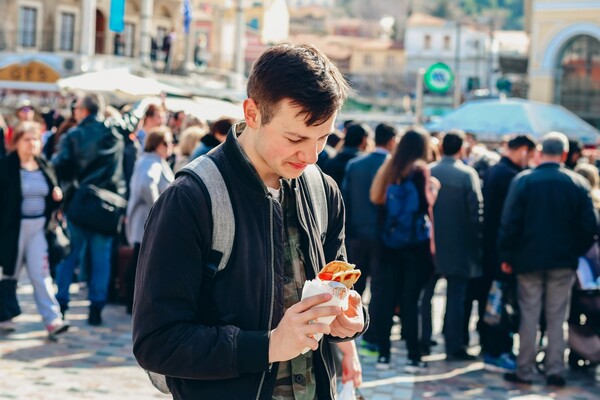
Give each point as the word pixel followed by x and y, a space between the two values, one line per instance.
pixel 315 267
pixel 264 374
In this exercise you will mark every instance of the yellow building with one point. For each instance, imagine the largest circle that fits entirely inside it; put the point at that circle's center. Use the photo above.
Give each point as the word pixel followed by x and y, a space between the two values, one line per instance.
pixel 564 64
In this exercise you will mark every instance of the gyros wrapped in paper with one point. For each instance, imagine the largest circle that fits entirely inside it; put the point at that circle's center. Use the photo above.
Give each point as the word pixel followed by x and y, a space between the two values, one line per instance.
pixel 336 278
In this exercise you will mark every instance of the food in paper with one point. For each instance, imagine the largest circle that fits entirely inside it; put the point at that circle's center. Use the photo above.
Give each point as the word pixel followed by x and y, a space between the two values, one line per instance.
pixel 336 278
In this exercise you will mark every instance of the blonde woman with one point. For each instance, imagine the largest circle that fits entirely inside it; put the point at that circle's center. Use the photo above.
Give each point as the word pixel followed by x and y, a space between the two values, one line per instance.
pixel 190 138
pixel 151 176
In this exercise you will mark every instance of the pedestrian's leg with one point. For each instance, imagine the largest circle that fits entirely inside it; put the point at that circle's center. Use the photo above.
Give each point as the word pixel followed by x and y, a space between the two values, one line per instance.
pixel 559 283
pixel 530 302
pixel 384 309
pixel 454 317
pixel 39 271
pixel 426 309
pixel 66 268
pixel 415 273
pixel 130 276
pixel 100 246
pixel 378 278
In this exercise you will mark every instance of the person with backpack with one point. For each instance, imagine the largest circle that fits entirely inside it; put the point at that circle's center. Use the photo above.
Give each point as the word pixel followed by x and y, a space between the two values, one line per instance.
pixel 227 321
pixel 403 187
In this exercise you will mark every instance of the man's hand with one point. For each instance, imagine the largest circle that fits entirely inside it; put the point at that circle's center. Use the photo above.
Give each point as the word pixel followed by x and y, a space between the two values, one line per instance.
pixel 351 321
pixel 506 268
pixel 57 194
pixel 351 368
pixel 295 331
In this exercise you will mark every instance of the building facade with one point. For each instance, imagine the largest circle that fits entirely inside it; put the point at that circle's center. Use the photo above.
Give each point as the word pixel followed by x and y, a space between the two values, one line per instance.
pixel 466 49
pixel 564 61
pixel 43 39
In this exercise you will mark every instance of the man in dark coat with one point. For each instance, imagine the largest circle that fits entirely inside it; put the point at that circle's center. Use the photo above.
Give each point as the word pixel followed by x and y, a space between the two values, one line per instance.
pixel 457 218
pixel 90 154
pixel 244 338
pixel 355 143
pixel 362 228
pixel 496 341
pixel 548 222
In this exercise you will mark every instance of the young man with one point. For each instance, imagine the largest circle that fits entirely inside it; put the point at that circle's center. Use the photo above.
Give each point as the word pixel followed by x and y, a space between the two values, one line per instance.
pixel 244 338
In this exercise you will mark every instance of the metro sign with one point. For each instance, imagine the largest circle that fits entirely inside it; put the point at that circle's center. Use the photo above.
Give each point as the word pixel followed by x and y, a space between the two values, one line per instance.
pixel 438 78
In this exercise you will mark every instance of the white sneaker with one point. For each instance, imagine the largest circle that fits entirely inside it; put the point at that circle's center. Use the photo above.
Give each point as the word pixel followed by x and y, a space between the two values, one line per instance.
pixel 8 326
pixel 57 327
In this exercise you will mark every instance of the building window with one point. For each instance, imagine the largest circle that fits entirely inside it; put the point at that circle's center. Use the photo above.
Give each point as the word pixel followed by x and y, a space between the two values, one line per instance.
pixel 427 42
pixel 67 31
pixel 28 26
pixel 368 60
pixel 129 34
pixel 390 61
pixel 446 42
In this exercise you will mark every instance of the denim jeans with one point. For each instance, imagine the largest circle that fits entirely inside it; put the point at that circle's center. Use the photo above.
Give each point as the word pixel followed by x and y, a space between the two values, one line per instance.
pixel 100 249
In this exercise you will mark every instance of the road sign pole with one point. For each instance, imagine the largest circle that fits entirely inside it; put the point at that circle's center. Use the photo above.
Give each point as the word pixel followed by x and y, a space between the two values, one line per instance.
pixel 457 90
pixel 419 97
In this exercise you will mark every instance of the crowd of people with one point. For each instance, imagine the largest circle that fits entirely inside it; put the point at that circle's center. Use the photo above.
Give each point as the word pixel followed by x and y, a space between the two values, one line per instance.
pixel 516 219
pixel 46 158
pixel 412 208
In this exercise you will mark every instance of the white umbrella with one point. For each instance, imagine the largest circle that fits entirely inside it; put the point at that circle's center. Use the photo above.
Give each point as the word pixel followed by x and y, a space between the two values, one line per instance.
pixel 116 81
pixel 203 108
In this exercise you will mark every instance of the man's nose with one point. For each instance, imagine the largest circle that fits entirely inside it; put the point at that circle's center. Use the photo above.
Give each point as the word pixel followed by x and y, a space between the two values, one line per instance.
pixel 310 154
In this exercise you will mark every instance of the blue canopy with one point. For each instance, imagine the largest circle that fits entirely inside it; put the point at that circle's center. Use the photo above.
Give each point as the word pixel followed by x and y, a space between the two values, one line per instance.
pixel 492 119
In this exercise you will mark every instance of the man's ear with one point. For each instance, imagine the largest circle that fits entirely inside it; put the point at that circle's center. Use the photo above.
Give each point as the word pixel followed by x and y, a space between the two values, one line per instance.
pixel 251 113
pixel 564 156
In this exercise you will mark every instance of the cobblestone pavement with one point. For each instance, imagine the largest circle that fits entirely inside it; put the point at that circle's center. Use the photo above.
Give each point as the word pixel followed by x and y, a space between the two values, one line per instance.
pixel 96 362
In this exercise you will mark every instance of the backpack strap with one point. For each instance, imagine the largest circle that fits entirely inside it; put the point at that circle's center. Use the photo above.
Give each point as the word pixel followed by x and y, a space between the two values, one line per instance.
pixel 316 188
pixel 223 230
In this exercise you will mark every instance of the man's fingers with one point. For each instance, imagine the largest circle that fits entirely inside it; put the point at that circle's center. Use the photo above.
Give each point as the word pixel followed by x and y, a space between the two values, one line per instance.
pixel 317 328
pixel 312 301
pixel 318 312
pixel 340 331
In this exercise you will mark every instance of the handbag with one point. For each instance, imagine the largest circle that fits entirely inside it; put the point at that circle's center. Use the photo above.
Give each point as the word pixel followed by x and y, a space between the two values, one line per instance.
pixel 9 305
pixel 59 244
pixel 97 209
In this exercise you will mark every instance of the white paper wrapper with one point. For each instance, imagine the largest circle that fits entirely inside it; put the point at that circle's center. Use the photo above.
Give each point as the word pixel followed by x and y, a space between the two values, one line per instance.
pixel 340 299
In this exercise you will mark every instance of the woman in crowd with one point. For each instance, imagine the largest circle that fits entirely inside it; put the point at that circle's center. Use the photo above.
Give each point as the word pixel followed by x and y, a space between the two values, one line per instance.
pixel 404 269
pixel 190 138
pixel 151 176
pixel 28 195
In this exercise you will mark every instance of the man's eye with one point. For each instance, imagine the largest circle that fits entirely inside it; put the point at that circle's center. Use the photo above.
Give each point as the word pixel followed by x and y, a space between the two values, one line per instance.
pixel 294 140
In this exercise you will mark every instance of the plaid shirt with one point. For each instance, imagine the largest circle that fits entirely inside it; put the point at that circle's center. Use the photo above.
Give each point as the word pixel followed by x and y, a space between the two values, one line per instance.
pixel 295 378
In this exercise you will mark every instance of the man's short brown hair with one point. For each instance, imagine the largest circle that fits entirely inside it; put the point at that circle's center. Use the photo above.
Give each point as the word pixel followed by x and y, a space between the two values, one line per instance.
pixel 302 74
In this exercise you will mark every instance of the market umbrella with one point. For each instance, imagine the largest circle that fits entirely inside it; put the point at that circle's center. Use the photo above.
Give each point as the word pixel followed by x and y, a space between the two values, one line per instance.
pixel 492 119
pixel 117 81
pixel 203 108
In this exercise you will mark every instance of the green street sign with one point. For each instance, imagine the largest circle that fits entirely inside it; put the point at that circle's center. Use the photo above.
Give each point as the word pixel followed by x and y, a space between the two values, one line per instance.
pixel 438 78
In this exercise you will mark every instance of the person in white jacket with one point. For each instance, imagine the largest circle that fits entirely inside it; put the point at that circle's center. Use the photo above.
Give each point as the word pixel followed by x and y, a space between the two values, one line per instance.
pixel 151 176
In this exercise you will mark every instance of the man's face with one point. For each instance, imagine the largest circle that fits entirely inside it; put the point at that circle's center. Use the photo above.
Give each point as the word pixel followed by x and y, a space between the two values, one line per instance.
pixel 79 112
pixel 524 156
pixel 286 146
pixel 25 114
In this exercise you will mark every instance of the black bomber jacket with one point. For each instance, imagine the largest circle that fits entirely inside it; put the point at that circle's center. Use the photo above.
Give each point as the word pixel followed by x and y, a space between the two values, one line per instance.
pixel 215 345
